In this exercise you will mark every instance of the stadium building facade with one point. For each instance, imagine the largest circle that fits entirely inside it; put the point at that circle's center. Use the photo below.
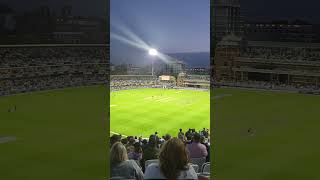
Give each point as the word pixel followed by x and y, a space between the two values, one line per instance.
pixel 294 64
pixel 175 67
pixel 226 18
pixel 285 31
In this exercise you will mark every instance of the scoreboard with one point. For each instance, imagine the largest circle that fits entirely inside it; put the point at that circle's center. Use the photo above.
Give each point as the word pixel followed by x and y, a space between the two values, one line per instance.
pixel 164 78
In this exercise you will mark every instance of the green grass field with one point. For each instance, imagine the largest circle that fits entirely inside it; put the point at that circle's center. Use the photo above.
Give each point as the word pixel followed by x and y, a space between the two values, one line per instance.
pixel 145 111
pixel 286 141
pixel 59 134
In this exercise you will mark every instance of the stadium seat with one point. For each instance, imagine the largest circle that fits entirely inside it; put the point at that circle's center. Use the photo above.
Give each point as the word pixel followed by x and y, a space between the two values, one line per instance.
pixel 205 169
pixel 195 167
pixel 148 162
pixel 198 161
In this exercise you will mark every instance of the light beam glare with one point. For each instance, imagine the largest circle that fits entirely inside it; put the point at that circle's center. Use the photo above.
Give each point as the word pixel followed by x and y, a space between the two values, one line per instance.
pixel 165 58
pixel 131 35
pixel 133 40
pixel 129 42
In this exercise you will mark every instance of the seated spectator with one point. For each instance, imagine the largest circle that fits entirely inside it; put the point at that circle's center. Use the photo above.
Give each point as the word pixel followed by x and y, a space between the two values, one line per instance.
pixel 114 138
pixel 204 133
pixel 173 163
pixel 181 135
pixel 167 137
pixel 189 134
pixel 204 141
pixel 144 143
pixel 136 154
pixel 121 167
pixel 196 149
pixel 124 141
pixel 150 151
pixel 130 145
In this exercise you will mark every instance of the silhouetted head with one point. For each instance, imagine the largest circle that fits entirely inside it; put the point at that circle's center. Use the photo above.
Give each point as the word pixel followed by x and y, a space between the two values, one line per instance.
pixel 196 137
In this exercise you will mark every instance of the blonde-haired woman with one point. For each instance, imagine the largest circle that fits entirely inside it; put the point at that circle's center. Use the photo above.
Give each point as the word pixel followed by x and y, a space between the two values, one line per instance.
pixel 121 167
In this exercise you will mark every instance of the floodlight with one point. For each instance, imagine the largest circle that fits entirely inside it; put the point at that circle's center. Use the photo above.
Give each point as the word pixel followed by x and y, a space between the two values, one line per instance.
pixel 153 52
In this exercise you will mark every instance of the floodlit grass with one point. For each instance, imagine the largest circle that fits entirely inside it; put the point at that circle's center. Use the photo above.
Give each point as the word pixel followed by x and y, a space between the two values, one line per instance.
pixel 145 111
pixel 59 134
pixel 285 144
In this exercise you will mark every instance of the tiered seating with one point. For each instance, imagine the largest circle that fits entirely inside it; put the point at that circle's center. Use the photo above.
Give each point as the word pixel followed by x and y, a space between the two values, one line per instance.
pixel 32 67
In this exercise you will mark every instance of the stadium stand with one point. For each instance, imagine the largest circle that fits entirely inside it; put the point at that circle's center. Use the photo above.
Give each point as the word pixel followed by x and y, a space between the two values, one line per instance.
pixel 292 66
pixel 198 161
pixel 120 82
pixel 200 165
pixel 194 81
pixel 26 68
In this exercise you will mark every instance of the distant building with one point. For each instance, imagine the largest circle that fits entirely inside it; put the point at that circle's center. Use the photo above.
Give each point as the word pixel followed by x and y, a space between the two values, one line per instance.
pixel 67 37
pixel 227 49
pixel 195 81
pixel 138 70
pixel 294 64
pixel 175 67
pixel 75 29
pixel 295 31
pixel 226 18
pixel 198 70
pixel 43 25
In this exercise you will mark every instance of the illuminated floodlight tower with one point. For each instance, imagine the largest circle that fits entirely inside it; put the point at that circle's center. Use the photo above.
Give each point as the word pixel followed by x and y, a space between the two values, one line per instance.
pixel 153 52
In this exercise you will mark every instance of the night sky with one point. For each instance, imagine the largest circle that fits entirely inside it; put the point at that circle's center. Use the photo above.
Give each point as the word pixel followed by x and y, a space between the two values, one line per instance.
pixel 169 25
pixel 307 10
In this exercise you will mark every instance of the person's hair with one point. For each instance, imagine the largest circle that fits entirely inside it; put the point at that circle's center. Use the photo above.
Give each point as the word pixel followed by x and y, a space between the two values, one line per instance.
pixel 152 140
pixel 131 140
pixel 144 141
pixel 115 138
pixel 118 153
pixel 124 141
pixel 137 147
pixel 173 158
pixel 202 139
pixel 167 137
pixel 180 129
pixel 196 137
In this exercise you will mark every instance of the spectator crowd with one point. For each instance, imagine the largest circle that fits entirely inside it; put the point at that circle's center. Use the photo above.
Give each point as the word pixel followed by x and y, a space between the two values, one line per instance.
pixel 32 68
pixel 269 86
pixel 185 156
